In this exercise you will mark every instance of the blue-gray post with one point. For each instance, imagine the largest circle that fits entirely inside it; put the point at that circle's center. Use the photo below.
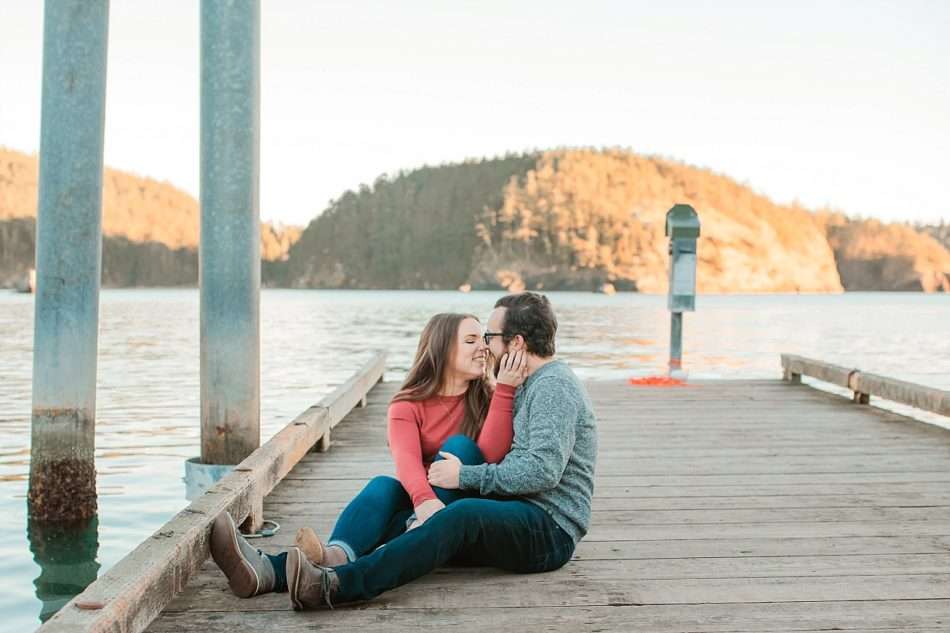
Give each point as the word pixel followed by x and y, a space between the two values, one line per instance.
pixel 230 230
pixel 676 341
pixel 68 261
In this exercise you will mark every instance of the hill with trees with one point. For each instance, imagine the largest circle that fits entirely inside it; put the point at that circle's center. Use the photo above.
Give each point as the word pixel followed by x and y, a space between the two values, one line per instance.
pixel 940 232
pixel 150 229
pixel 568 219
pixel 578 219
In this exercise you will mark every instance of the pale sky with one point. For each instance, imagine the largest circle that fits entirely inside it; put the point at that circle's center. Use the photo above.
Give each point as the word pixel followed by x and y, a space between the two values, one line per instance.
pixel 844 104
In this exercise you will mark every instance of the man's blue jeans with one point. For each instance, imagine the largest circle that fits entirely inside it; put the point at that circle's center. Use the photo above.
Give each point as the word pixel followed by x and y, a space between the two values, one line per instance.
pixel 514 535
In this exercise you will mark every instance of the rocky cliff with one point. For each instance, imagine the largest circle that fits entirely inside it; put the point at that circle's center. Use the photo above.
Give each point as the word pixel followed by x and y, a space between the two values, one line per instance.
pixel 871 255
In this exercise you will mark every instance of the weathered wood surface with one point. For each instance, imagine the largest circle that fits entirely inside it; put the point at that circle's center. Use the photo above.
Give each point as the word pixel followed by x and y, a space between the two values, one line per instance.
pixel 794 367
pixel 926 398
pixel 726 506
pixel 864 385
pixel 129 596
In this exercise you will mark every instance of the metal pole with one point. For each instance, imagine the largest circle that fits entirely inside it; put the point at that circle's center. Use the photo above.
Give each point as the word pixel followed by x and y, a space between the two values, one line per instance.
pixel 230 232
pixel 68 261
pixel 676 342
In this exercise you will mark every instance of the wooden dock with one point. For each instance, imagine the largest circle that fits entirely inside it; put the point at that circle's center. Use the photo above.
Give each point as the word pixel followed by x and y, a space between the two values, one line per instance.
pixel 753 505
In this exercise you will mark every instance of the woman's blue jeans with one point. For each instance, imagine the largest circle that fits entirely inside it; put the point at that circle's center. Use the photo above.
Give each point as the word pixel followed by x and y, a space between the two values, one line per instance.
pixel 379 513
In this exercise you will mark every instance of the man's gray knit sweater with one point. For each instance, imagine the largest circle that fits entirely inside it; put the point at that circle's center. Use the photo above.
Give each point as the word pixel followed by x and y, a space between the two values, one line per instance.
pixel 551 463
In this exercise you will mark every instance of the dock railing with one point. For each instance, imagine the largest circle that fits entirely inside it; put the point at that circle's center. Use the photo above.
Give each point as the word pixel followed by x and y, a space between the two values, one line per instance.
pixel 128 597
pixel 864 384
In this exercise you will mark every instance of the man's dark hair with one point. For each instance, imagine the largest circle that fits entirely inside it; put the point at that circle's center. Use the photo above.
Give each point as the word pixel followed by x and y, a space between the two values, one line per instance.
pixel 530 315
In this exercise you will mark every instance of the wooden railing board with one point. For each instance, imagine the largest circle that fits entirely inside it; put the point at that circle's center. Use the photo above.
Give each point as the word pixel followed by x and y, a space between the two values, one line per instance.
pixel 864 384
pixel 918 396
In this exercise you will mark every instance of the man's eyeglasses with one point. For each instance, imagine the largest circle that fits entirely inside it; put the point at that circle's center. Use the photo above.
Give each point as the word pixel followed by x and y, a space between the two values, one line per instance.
pixel 487 336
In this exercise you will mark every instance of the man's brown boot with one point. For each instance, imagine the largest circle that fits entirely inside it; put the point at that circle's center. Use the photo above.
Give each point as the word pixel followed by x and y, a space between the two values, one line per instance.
pixel 249 572
pixel 309 586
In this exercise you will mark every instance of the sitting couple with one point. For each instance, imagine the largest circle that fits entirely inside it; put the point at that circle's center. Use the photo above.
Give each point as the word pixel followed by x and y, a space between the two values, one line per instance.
pixel 499 479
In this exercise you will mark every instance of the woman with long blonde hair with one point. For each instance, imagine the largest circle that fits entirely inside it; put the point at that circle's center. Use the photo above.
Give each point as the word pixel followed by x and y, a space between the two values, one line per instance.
pixel 446 405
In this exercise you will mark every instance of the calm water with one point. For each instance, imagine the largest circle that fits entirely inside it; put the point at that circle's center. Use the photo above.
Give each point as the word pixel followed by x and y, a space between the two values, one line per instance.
pixel 148 399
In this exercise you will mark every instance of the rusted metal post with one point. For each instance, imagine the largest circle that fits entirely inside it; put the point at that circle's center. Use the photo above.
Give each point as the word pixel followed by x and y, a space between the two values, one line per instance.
pixel 68 261
pixel 230 230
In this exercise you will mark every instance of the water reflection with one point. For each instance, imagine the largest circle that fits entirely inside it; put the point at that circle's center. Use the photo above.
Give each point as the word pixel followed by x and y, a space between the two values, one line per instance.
pixel 67 556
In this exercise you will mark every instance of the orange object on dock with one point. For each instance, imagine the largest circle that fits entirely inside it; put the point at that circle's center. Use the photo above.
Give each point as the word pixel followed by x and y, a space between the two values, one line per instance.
pixel 656 381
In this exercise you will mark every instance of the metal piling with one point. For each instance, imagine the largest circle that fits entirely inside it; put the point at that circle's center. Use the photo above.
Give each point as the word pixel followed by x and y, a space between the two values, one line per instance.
pixel 68 261
pixel 230 230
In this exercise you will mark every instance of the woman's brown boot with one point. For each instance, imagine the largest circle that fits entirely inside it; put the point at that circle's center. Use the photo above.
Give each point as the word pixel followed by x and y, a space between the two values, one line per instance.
pixel 310 545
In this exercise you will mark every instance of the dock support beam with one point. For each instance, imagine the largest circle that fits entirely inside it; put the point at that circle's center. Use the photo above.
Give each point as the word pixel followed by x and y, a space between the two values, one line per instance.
pixel 230 230
pixel 68 261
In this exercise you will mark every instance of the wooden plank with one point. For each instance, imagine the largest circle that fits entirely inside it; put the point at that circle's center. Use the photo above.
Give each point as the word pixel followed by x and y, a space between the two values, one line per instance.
pixel 760 546
pixel 696 480
pixel 696 497
pixel 608 530
pixel 602 503
pixel 940 506
pixel 673 439
pixel 131 594
pixel 638 451
pixel 718 504
pixel 770 530
pixel 905 616
pixel 707 467
pixel 572 587
pixel 638 517
pixel 688 548
pixel 675 566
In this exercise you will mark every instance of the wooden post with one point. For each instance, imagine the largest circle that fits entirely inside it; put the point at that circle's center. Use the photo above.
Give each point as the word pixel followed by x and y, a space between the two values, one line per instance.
pixel 255 518
pixel 789 376
pixel 230 230
pixel 68 261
